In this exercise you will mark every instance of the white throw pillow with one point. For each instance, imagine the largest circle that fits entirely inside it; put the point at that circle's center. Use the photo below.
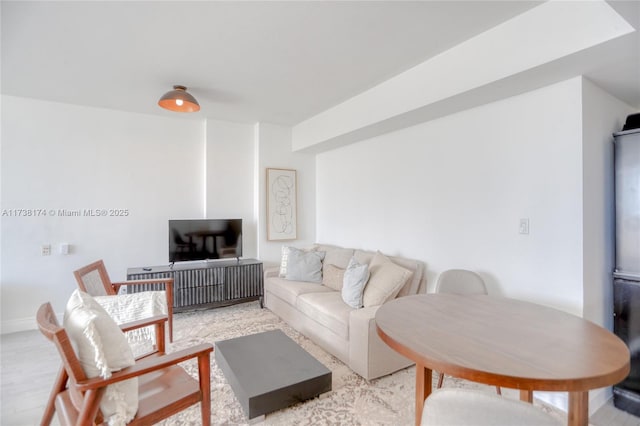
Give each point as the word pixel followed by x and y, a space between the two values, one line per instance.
pixel 355 278
pixel 102 348
pixel 385 282
pixel 284 258
pixel 304 265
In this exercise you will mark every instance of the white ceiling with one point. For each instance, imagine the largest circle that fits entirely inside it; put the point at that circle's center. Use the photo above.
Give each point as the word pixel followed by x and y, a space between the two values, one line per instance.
pixel 276 62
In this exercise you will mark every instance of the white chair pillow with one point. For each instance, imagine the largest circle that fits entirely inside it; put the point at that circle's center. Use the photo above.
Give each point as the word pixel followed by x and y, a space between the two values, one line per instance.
pixel 102 348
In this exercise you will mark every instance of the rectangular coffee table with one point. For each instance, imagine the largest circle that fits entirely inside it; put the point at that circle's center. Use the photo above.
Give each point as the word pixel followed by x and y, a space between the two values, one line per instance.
pixel 268 371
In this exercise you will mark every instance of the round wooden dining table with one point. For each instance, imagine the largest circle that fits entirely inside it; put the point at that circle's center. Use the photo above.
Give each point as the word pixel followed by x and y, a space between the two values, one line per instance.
pixel 503 342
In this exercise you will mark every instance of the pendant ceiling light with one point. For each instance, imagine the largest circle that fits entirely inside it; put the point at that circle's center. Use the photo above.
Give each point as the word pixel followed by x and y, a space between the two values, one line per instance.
pixel 179 100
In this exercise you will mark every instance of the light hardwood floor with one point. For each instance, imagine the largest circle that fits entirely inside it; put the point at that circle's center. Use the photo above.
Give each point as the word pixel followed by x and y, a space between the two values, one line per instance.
pixel 29 363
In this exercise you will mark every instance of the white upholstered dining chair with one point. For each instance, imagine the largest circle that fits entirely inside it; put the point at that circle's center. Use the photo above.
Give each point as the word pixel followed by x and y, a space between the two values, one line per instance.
pixel 460 281
pixel 455 406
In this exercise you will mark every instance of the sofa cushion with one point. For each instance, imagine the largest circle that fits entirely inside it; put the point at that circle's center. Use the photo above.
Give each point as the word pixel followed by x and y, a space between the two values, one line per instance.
pixel 385 281
pixel 339 257
pixel 355 278
pixel 413 284
pixel 304 265
pixel 363 256
pixel 328 309
pixel 325 247
pixel 289 290
pixel 333 277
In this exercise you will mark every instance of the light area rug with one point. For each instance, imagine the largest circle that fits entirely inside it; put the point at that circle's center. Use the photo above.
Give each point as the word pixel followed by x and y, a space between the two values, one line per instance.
pixel 353 400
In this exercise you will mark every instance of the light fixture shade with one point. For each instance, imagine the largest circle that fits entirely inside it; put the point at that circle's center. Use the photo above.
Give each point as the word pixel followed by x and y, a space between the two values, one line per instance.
pixel 179 100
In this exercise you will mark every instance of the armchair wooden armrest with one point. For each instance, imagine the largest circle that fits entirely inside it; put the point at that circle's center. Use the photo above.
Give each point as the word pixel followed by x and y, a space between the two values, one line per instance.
pixel 168 283
pixel 158 321
pixel 201 351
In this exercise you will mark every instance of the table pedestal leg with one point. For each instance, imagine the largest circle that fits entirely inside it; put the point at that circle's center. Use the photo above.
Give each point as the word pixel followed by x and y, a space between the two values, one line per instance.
pixel 578 408
pixel 423 389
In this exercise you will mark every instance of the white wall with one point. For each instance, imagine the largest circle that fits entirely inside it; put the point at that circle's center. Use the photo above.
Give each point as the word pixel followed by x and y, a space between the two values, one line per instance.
pixel 57 156
pixel 274 151
pixel 230 170
pixel 451 192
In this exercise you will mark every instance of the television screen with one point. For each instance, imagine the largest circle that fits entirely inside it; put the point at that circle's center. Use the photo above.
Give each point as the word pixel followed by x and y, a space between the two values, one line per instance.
pixel 202 239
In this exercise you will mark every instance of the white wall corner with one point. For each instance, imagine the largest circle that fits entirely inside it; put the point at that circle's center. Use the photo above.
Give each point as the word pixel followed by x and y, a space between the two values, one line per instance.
pixel 274 148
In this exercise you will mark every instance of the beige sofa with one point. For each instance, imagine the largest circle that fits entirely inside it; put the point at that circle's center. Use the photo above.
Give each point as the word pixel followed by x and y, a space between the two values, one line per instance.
pixel 318 312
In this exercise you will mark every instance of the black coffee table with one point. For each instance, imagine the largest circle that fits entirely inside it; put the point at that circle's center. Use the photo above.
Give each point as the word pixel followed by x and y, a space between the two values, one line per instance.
pixel 268 371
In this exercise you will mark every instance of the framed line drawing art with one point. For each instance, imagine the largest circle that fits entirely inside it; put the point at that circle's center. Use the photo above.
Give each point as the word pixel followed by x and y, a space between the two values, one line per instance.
pixel 282 220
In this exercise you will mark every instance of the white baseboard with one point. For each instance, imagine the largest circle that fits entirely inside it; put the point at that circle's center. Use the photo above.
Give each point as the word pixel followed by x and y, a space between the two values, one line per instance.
pixel 599 397
pixel 560 400
pixel 17 325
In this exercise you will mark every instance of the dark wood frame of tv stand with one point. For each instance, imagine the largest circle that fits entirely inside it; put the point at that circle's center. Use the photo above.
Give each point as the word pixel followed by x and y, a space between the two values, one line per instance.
pixel 206 284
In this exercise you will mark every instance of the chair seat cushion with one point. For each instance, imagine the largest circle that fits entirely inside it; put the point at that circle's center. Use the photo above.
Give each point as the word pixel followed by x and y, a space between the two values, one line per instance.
pixel 450 406
pixel 155 393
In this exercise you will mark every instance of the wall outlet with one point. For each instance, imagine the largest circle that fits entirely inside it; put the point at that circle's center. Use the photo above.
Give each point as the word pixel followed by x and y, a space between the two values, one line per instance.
pixel 524 226
pixel 64 248
pixel 45 250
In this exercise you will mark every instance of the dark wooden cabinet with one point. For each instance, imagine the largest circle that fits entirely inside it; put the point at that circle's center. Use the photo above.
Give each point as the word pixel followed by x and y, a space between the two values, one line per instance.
pixel 207 284
pixel 626 277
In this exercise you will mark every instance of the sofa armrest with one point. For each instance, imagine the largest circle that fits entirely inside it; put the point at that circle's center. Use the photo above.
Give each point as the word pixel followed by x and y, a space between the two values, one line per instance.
pixel 360 320
pixel 272 271
pixel 369 356
pixel 361 324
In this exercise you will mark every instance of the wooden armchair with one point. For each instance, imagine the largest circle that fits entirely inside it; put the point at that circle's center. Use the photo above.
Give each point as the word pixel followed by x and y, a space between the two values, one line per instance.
pixel 94 280
pixel 164 387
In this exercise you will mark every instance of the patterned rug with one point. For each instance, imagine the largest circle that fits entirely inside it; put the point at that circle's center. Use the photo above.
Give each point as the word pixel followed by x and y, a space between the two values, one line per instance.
pixel 353 400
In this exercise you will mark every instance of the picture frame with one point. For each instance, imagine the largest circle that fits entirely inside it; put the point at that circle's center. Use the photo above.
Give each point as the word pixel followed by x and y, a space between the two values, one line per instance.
pixel 282 206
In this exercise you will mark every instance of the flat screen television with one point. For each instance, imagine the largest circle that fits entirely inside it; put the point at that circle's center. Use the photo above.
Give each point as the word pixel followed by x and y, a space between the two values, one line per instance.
pixel 204 239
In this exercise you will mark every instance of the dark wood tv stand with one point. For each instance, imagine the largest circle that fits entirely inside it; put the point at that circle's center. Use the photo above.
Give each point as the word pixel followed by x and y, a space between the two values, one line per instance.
pixel 210 284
